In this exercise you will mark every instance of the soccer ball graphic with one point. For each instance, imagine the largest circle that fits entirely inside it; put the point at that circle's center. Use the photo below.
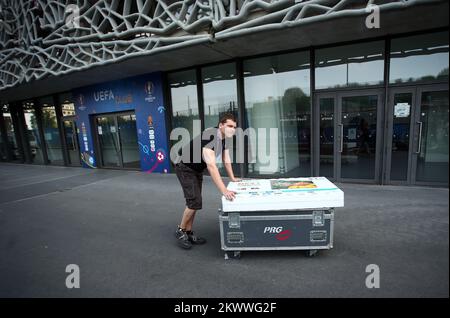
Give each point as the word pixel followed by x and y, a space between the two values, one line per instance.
pixel 160 156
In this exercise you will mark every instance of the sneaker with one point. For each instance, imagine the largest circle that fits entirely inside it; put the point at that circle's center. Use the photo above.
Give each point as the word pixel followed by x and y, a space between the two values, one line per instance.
pixel 194 239
pixel 183 239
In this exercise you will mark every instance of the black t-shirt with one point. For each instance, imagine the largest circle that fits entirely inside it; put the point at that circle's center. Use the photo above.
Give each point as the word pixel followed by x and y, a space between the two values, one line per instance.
pixel 212 141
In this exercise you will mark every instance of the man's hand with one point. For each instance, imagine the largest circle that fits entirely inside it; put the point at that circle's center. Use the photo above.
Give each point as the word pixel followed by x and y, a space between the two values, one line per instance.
pixel 229 195
pixel 236 180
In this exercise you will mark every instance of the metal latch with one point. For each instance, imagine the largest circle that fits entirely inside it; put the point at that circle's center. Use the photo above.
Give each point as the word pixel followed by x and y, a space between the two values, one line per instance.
pixel 235 237
pixel 318 218
pixel 234 221
pixel 318 236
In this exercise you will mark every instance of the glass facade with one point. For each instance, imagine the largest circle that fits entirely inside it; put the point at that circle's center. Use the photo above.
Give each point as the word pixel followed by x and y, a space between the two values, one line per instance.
pixel 67 105
pixel 183 95
pixel 432 161
pixel 277 97
pixel 128 140
pixel 3 139
pixel 108 139
pixel 420 58
pixel 327 124
pixel 3 149
pixel 51 131
pixel 349 98
pixel 219 86
pixel 400 136
pixel 219 92
pixel 10 122
pixel 359 129
pixel 353 65
pixel 32 132
pixel 71 139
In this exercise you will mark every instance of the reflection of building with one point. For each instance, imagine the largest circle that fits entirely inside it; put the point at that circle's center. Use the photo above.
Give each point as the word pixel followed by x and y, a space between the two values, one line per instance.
pixel 312 69
pixel 68 109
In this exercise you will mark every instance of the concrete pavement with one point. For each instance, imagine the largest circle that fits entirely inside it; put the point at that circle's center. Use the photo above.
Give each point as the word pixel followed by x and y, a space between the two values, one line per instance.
pixel 117 226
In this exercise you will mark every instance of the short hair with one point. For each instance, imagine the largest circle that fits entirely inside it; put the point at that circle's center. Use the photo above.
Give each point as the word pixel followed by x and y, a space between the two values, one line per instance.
pixel 225 116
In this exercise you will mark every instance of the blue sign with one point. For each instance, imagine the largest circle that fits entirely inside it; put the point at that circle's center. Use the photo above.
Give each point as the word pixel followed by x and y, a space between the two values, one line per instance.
pixel 141 94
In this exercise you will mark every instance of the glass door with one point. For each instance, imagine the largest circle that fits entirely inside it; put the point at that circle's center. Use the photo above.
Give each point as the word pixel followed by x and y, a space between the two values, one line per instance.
pixel 359 136
pixel 417 147
pixel 52 139
pixel 108 141
pixel 430 155
pixel 128 141
pixel 349 135
pixel 401 106
pixel 326 132
pixel 117 141
pixel 71 135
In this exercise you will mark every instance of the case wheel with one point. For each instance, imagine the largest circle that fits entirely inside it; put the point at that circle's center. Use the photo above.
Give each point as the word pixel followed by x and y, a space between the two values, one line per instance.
pixel 233 255
pixel 311 253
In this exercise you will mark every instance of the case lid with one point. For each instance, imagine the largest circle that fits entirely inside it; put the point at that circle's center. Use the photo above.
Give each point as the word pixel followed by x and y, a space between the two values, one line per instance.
pixel 283 194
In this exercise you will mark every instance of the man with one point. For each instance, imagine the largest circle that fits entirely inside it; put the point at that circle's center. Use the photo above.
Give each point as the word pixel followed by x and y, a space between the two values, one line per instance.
pixel 190 174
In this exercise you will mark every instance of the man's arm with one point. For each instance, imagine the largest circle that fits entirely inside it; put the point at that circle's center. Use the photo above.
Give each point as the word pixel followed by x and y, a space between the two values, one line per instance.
pixel 227 163
pixel 210 160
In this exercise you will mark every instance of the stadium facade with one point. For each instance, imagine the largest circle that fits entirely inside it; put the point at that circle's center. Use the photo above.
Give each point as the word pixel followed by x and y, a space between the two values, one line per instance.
pixel 358 89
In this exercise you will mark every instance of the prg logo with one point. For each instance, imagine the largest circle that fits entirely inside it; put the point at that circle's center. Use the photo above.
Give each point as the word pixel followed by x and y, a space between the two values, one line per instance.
pixel 281 235
pixel 273 229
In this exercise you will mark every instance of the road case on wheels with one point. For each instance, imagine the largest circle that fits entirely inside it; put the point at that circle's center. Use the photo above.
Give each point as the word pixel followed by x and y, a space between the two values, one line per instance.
pixel 279 214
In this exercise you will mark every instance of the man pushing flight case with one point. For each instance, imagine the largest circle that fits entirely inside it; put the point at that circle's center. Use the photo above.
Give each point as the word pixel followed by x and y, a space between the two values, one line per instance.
pixel 279 214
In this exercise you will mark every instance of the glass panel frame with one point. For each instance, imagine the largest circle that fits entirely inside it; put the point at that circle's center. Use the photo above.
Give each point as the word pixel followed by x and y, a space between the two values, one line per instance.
pixel 50 126
pixel 33 133
pixel 278 95
pixel 129 151
pixel 220 95
pixel 184 99
pixel 358 136
pixel 71 142
pixel 418 55
pixel 393 148
pixel 345 66
pixel 423 140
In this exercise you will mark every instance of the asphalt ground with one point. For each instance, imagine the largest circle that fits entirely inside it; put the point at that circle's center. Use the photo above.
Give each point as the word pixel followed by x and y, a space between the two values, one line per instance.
pixel 117 227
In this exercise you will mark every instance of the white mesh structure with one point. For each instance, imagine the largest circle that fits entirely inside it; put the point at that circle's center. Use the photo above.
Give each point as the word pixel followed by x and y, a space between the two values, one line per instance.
pixel 53 37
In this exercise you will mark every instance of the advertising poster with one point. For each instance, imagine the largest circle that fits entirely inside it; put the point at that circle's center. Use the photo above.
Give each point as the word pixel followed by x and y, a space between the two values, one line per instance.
pixel 144 96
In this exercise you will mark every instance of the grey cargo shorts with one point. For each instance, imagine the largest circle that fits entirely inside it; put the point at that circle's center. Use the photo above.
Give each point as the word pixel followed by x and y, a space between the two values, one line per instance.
pixel 191 182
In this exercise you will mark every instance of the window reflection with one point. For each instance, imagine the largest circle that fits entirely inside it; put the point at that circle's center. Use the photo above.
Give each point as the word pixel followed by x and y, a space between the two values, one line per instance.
pixel 432 161
pixel 219 97
pixel 3 140
pixel 32 131
pixel 400 136
pixel 350 65
pixel 67 105
pixel 3 155
pixel 277 95
pixel 326 151
pixel 12 145
pixel 359 120
pixel 419 58
pixel 219 92
pixel 51 131
pixel 183 92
